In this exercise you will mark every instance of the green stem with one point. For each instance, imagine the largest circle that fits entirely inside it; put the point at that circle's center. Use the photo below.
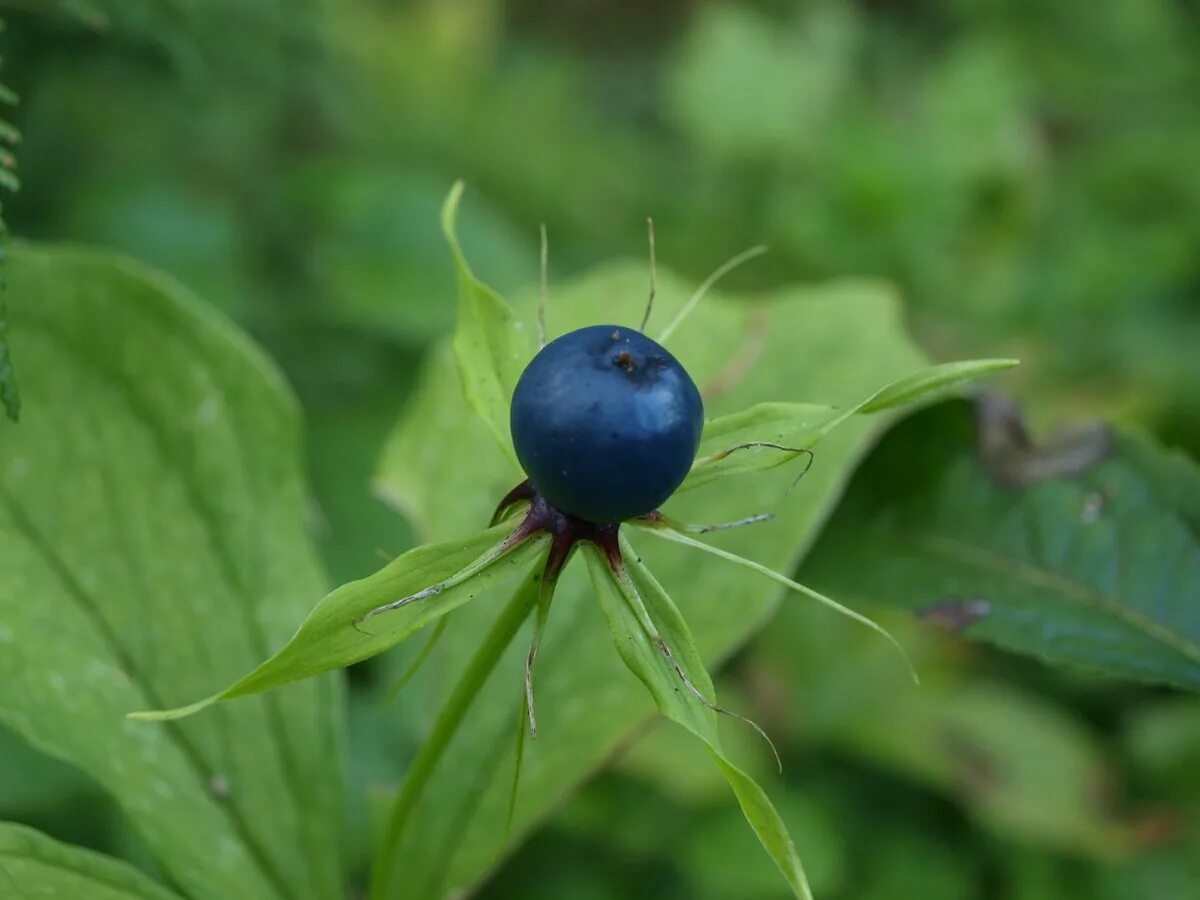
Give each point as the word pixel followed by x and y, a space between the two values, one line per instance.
pixel 448 721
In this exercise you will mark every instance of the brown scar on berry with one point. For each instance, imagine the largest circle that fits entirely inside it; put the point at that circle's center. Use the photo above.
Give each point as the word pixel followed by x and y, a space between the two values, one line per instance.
pixel 624 359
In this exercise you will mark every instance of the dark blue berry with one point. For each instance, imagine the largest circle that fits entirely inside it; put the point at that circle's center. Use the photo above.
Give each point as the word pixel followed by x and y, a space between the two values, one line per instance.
pixel 606 423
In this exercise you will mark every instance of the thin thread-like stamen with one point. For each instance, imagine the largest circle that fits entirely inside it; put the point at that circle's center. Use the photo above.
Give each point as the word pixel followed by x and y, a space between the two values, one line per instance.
pixel 656 518
pixel 665 531
pixel 653 276
pixel 708 282
pixel 666 651
pixel 714 458
pixel 626 585
pixel 544 267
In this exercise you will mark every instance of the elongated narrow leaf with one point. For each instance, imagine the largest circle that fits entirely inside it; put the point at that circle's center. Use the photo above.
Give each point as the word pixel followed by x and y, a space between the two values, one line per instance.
pixel 637 645
pixel 771 434
pixel 152 543
pixel 840 341
pixel 1099 569
pixel 34 865
pixel 333 636
pixel 931 383
pixel 490 343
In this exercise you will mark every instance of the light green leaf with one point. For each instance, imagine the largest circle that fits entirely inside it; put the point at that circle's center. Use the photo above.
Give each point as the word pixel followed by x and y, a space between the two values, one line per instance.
pixel 152 543
pixel 771 434
pixel 334 636
pixel 1100 568
pixel 928 384
pixel 491 344
pixel 34 865
pixel 839 342
pixel 640 615
pixel 760 437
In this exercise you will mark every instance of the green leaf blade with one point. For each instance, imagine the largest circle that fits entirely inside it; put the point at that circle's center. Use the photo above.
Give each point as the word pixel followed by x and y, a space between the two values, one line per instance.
pixel 772 434
pixel 635 629
pixel 1099 569
pixel 34 865
pixel 491 344
pixel 151 500
pixel 928 384
pixel 332 637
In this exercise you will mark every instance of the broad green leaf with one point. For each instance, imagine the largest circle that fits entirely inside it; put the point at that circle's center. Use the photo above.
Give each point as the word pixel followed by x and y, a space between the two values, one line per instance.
pixel 34 865
pixel 835 343
pixel 152 547
pixel 638 619
pixel 491 344
pixel 772 434
pixel 332 636
pixel 1023 768
pixel 1099 569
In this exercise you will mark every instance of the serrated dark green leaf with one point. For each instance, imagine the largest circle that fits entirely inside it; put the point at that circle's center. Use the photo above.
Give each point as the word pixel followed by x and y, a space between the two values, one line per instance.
pixel 152 512
pixel 1100 569
pixel 34 865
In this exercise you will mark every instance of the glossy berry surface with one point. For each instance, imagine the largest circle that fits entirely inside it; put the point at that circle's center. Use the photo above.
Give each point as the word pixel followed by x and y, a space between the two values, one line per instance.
pixel 606 423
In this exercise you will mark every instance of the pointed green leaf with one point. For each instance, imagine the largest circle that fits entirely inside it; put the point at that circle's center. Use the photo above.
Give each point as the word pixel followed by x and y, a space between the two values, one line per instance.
pixel 771 434
pixel 635 630
pixel 760 437
pixel 333 636
pixel 34 865
pixel 840 341
pixel 153 543
pixel 931 383
pixel 1099 568
pixel 491 344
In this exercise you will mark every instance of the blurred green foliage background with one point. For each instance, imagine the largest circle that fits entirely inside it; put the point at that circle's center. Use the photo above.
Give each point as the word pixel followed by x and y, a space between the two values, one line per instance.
pixel 1027 171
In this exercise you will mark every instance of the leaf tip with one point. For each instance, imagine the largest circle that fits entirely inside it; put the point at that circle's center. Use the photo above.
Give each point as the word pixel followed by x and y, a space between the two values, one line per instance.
pixel 450 212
